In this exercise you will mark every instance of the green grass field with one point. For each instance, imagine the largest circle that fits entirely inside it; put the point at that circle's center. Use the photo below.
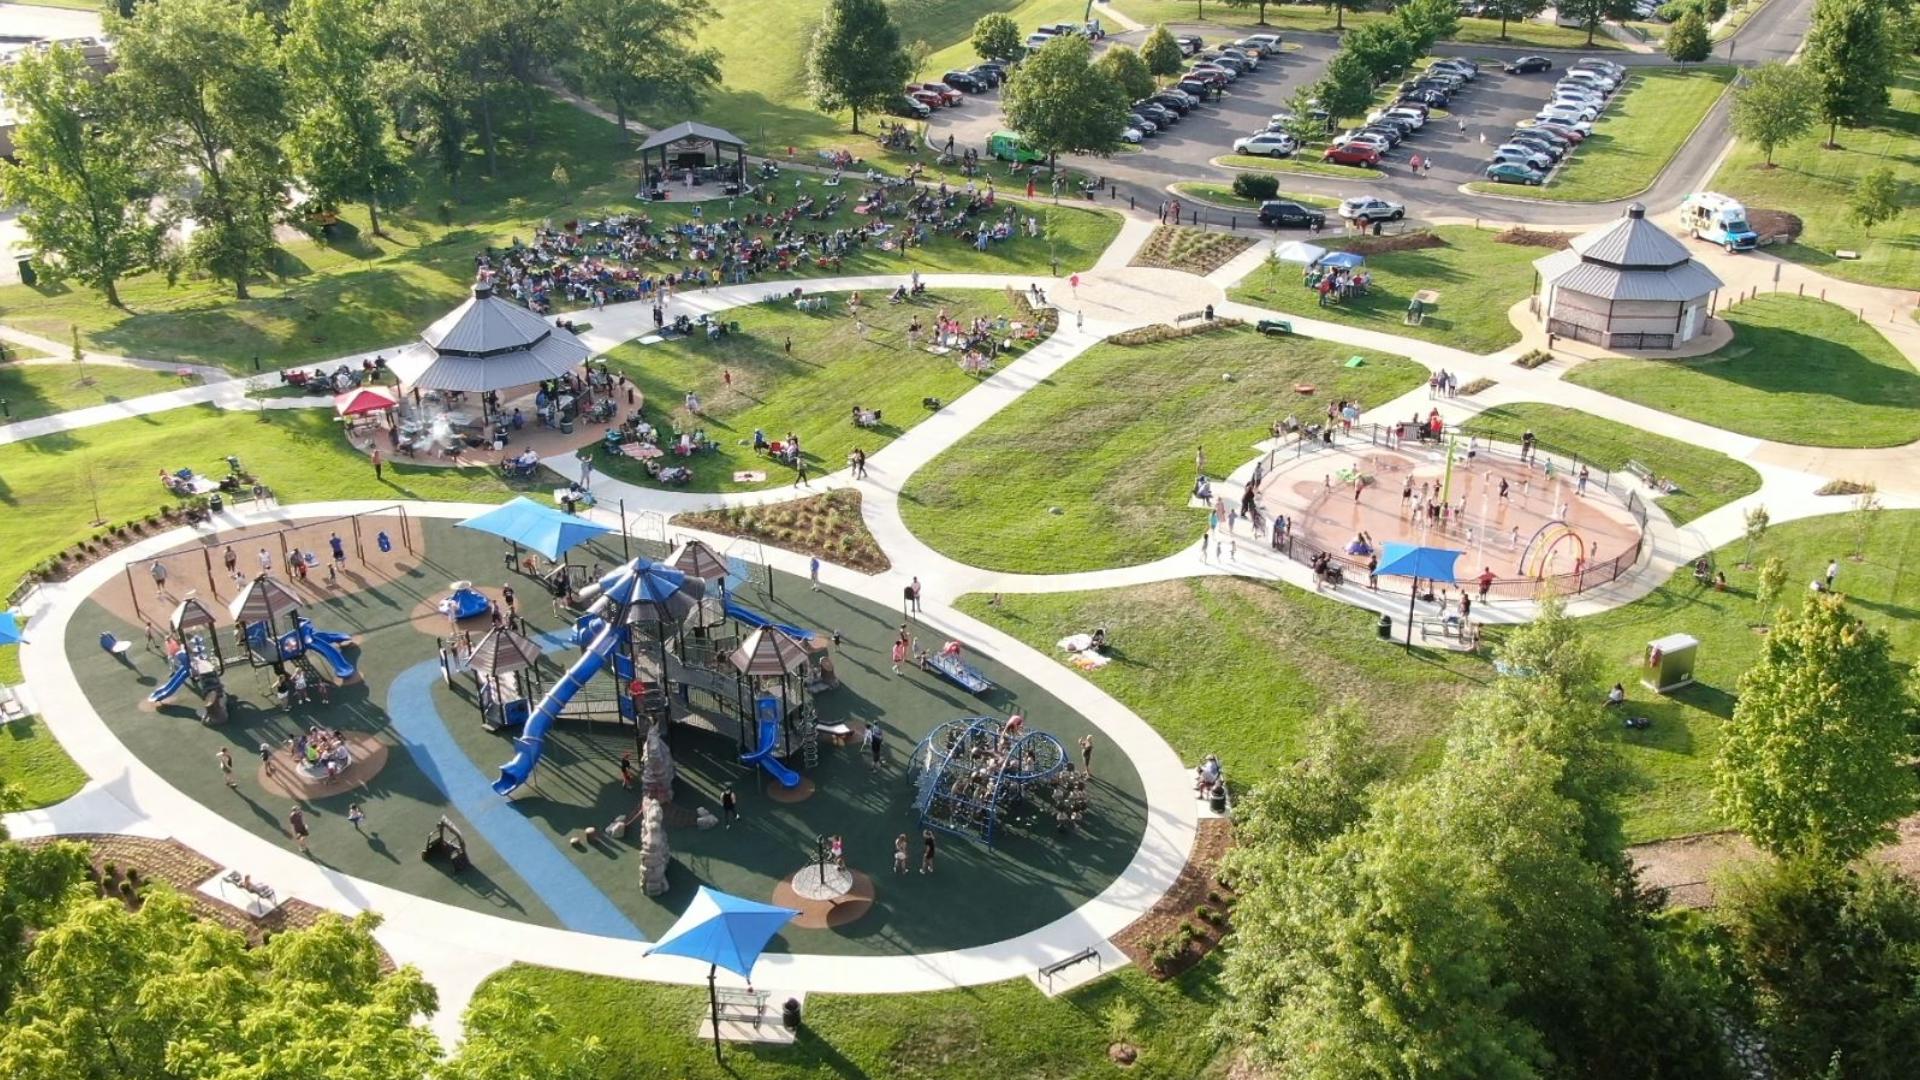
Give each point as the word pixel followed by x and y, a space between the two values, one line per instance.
pixel 1798 370
pixel 1314 18
pixel 1222 195
pixel 1706 479
pixel 1006 1029
pixel 1110 441
pixel 1477 277
pixel 34 766
pixel 32 390
pixel 1815 183
pixel 1640 131
pixel 809 391
pixel 366 293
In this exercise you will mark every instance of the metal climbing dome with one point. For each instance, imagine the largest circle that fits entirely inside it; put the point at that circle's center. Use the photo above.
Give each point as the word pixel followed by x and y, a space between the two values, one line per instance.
pixel 968 773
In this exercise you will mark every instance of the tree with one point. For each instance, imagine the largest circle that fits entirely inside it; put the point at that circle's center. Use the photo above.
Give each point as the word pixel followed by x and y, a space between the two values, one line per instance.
pixel 1515 11
pixel 1427 21
pixel 1754 529
pixel 1347 87
pixel 1687 42
pixel 36 884
pixel 512 1035
pixel 1383 48
pixel 1812 760
pixel 1832 954
pixel 856 61
pixel 1771 581
pixel 1774 105
pixel 78 175
pixel 1591 13
pixel 1341 7
pixel 1876 198
pixel 1319 796
pixel 1261 4
pixel 1849 58
pixel 203 80
pixel 1162 53
pixel 1061 104
pixel 343 147
pixel 1127 70
pixel 432 74
pixel 1864 516
pixel 154 992
pixel 996 36
pixel 917 53
pixel 1301 123
pixel 644 50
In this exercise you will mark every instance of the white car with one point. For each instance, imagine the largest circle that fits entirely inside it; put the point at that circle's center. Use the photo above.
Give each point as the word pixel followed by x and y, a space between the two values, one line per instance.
pixel 1131 135
pixel 1368 208
pixel 1269 42
pixel 1565 114
pixel 1367 139
pixel 1600 81
pixel 1522 155
pixel 1583 104
pixel 1267 143
pixel 1456 67
pixel 1598 64
pixel 1578 92
pixel 1414 116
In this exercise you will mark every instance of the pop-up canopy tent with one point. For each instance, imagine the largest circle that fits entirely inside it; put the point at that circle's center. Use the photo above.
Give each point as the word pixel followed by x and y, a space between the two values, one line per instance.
pixel 1299 251
pixel 363 399
pixel 1344 260
pixel 1410 561
pixel 524 523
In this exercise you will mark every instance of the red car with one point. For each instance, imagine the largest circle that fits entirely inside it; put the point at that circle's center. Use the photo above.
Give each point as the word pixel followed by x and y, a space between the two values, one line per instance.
pixel 1352 155
pixel 947 95
pixel 929 99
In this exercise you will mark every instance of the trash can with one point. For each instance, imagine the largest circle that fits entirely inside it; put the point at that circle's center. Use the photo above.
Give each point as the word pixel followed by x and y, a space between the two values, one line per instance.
pixel 790 1014
pixel 28 275
pixel 1385 628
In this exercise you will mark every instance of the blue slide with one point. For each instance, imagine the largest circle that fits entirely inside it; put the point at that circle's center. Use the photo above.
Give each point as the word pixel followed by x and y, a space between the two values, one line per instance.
pixel 181 667
pixel 756 620
pixel 326 644
pixel 763 757
pixel 527 746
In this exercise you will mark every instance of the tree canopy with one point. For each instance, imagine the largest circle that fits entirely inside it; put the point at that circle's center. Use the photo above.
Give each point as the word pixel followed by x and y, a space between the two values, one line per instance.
pixel 643 50
pixel 1849 57
pixel 1687 41
pixel 342 144
pixel 1061 104
pixel 996 36
pixel 1162 53
pixel 856 61
pixel 1127 70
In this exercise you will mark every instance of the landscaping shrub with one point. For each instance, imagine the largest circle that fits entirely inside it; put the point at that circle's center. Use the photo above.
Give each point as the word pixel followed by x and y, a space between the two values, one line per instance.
pixel 1147 335
pixel 1533 358
pixel 1256 186
pixel 1524 237
pixel 1380 245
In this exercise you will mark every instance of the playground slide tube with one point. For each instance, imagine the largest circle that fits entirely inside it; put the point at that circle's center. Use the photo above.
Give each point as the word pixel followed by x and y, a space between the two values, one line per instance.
pixel 540 721
pixel 343 668
pixel 174 682
pixel 756 620
pixel 763 757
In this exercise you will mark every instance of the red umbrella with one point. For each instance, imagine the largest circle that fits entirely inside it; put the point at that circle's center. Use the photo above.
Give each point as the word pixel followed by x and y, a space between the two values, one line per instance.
pixel 364 399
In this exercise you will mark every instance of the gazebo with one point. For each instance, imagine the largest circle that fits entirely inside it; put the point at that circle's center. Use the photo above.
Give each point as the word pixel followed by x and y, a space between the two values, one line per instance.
pixel 696 149
pixel 1628 285
pixel 488 344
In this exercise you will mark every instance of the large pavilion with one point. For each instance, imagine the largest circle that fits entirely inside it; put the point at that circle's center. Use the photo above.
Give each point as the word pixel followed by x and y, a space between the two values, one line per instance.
pixel 1627 285
pixel 693 151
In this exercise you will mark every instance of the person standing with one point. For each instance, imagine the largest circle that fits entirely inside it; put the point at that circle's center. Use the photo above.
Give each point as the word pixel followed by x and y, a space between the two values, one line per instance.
pixel 355 815
pixel 586 468
pixel 266 561
pixel 226 767
pixel 800 472
pixel 1833 571
pixel 729 807
pixel 378 462
pixel 913 594
pixel 900 854
pixel 231 561
pixel 926 851
pixel 1373 572
pixel 813 572
pixel 899 654
pixel 266 759
pixel 159 571
pixel 297 825
pixel 339 549
pixel 876 746
pixel 1086 753
pixel 626 771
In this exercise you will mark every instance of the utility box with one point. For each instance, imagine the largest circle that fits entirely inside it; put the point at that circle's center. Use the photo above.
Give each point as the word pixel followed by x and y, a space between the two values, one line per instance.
pixel 1670 663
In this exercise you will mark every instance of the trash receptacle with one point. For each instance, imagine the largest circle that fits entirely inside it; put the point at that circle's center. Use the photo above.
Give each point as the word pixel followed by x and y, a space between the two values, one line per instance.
pixel 28 275
pixel 790 1014
pixel 1385 628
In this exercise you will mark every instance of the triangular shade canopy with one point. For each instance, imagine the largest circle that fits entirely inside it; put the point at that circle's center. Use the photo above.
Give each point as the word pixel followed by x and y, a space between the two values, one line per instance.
pixel 725 930
pixel 550 531
pixel 1407 560
pixel 190 614
pixel 13 629
pixel 502 651
pixel 488 344
pixel 769 651
pixel 363 399
pixel 696 558
pixel 264 600
pixel 658 583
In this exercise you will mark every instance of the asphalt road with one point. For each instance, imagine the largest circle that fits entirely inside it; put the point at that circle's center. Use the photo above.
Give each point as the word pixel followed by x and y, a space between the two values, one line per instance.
pixel 1490 107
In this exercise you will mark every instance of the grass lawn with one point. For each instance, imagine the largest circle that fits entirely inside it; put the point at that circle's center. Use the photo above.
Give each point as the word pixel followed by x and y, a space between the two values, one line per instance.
pixel 1308 164
pixel 1003 1029
pixel 1222 195
pixel 1815 183
pixel 809 391
pixel 1110 440
pixel 364 292
pixel 1674 758
pixel 33 764
pixel 1314 18
pixel 1798 370
pixel 45 483
pixel 32 390
pixel 1706 479
pixel 1637 134
pixel 1477 277
pixel 1236 667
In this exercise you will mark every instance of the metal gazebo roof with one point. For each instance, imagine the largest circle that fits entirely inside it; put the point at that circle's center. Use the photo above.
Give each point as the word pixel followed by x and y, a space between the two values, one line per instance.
pixel 488 344
pixel 769 651
pixel 681 132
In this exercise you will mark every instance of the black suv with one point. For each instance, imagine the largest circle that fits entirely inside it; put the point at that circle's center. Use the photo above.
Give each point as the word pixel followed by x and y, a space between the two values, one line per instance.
pixel 1156 112
pixel 964 80
pixel 1279 212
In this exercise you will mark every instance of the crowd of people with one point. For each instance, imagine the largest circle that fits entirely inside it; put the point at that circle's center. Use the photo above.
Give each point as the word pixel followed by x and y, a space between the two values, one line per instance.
pixel 320 752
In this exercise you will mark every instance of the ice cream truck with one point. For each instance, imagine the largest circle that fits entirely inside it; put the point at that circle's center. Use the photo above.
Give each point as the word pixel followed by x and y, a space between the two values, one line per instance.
pixel 1719 220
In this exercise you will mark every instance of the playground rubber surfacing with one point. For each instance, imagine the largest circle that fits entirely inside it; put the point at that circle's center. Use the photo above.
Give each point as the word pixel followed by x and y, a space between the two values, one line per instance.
pixel 441 760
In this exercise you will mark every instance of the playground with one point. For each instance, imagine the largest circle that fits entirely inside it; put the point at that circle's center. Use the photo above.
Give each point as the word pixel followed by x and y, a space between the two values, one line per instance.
pixel 519 752
pixel 1522 513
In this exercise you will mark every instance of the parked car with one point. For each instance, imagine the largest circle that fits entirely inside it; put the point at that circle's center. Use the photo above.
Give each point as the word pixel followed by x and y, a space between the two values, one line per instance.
pixel 1599 63
pixel 964 80
pixel 1034 41
pixel 1430 98
pixel 1510 172
pixel 1267 144
pixel 989 75
pixel 1190 45
pixel 909 106
pixel 1371 208
pixel 1466 69
pixel 1392 135
pixel 1535 141
pixel 1248 59
pixel 1279 213
pixel 1131 135
pixel 1599 80
pixel 1156 112
pixel 1239 65
pixel 1368 139
pixel 1197 87
pixel 1573 131
pixel 1352 155
pixel 1414 121
pixel 1179 102
pixel 927 97
pixel 1592 95
pixel 1564 112
pixel 1214 73
pixel 1525 155
pixel 1405 125
pixel 1527 65
pixel 1249 45
pixel 1270 42
pixel 1145 125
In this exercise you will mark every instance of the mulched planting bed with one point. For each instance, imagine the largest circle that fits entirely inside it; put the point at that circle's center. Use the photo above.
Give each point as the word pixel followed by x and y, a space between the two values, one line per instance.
pixel 826 525
pixel 1171 937
pixel 1195 251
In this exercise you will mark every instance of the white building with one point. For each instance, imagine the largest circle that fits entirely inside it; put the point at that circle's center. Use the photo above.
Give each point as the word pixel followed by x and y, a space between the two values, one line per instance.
pixel 1627 285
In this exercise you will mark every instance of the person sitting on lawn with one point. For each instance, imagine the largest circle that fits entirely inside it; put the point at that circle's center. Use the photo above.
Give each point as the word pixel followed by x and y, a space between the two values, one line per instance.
pixel 1617 696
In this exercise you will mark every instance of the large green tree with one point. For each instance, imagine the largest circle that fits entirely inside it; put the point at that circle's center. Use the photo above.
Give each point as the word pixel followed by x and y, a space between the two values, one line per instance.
pixel 510 1035
pixel 1849 55
pixel 1061 104
pixel 1162 53
pixel 856 61
pixel 1774 105
pixel 1877 197
pixel 203 80
pixel 996 36
pixel 1428 21
pixel 1832 954
pixel 643 50
pixel 1347 87
pixel 36 885
pixel 1813 761
pixel 343 144
pixel 1383 48
pixel 1687 41
pixel 1125 67
pixel 78 172
pixel 434 72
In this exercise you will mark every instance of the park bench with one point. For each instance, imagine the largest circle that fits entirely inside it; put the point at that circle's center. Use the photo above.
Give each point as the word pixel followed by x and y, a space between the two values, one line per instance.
pixel 1048 971
pixel 747 1005
pixel 1639 472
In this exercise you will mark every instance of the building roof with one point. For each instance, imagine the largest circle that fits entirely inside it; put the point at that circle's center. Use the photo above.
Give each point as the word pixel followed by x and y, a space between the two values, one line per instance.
pixel 488 344
pixel 1567 270
pixel 689 130
pixel 1632 242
